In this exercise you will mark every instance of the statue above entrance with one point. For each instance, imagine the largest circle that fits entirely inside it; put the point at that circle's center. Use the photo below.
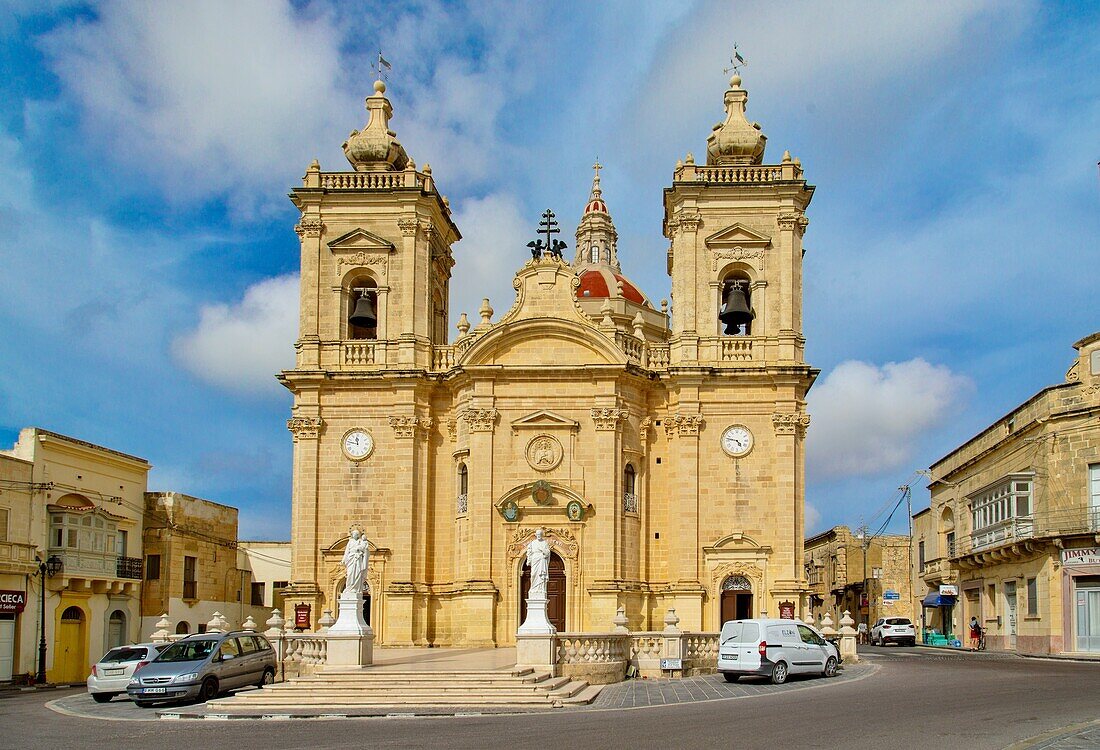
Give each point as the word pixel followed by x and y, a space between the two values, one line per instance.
pixel 356 557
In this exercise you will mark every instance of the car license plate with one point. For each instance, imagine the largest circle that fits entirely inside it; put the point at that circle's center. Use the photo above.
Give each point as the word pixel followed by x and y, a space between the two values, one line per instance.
pixel 154 690
pixel 730 657
pixel 113 672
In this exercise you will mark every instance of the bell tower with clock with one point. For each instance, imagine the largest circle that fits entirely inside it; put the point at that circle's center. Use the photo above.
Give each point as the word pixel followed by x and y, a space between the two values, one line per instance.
pixel 375 270
pixel 736 364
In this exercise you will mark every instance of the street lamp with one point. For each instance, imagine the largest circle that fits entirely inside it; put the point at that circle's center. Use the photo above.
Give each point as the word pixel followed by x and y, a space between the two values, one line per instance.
pixel 51 567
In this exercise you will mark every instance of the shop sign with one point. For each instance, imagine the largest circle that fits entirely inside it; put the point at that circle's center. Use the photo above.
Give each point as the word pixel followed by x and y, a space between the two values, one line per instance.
pixel 12 602
pixel 1082 556
pixel 948 590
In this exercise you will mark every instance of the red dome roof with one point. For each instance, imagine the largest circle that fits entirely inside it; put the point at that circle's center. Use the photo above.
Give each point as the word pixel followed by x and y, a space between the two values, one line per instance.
pixel 596 283
pixel 594 206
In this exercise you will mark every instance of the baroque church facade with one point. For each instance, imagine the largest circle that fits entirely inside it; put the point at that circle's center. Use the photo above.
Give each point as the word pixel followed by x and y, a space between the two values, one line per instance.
pixel 660 447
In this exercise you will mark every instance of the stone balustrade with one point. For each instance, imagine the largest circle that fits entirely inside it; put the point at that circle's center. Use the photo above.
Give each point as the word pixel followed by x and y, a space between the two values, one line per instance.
pixel 373 180
pixel 302 653
pixel 599 658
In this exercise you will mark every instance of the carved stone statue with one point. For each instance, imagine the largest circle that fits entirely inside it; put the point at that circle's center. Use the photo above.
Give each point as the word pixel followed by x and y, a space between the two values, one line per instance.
pixel 538 558
pixel 356 557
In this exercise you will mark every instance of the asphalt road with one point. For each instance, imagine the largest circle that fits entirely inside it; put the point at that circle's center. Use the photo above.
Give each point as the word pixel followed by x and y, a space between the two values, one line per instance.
pixel 916 698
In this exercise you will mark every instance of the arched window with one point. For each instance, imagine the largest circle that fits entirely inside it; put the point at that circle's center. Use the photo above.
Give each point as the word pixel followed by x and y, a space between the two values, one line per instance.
pixel 594 253
pixel 72 614
pixel 439 322
pixel 463 489
pixel 735 305
pixel 630 497
pixel 362 287
pixel 182 628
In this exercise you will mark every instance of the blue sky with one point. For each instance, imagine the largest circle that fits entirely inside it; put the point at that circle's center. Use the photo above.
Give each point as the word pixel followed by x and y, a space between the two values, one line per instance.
pixel 148 291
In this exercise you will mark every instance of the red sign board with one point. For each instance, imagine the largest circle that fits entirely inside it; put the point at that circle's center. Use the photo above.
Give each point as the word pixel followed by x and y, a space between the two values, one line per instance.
pixel 786 610
pixel 301 616
pixel 12 602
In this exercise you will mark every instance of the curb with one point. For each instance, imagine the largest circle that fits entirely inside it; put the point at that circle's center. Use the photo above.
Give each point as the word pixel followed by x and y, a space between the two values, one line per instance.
pixel 1064 732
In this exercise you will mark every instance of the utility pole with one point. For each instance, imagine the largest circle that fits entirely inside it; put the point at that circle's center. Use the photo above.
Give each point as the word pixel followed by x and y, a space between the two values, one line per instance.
pixel 864 593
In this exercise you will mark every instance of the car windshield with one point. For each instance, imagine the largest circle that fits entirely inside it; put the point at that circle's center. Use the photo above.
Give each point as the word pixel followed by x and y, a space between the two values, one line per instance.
pixel 125 653
pixel 188 651
pixel 740 632
pixel 898 621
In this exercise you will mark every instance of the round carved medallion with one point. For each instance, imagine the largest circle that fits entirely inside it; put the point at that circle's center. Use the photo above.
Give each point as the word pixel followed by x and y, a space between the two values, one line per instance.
pixel 544 453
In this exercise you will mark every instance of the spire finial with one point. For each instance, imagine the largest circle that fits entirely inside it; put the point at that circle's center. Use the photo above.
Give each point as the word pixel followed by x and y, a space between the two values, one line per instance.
pixel 596 193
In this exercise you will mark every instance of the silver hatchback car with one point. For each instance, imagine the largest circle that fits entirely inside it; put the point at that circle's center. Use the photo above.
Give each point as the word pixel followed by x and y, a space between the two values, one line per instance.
pixel 204 665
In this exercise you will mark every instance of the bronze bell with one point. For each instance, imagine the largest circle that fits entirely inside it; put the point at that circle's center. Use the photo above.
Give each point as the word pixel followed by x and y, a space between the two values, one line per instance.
pixel 735 310
pixel 363 315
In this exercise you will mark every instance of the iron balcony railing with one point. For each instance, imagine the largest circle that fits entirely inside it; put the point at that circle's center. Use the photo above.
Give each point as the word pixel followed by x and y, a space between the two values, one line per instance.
pixel 128 567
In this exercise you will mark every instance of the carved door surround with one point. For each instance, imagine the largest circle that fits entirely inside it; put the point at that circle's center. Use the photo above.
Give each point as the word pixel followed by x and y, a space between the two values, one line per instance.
pixel 566 547
pixel 739 559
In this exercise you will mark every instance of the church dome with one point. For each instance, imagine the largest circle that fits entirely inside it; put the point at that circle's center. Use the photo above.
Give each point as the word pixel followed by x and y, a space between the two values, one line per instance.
pixel 600 282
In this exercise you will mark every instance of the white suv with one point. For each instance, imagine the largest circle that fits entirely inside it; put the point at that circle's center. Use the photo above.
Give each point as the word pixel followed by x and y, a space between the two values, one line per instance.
pixel 111 674
pixel 775 649
pixel 893 630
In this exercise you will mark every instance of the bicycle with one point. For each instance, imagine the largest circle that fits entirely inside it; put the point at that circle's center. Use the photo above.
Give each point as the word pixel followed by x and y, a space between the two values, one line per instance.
pixel 981 640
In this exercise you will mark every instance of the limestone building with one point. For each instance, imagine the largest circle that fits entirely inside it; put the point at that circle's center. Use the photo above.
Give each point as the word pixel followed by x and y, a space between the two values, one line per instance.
pixel 661 447
pixel 1012 536
pixel 192 565
pixel 841 579
pixel 79 505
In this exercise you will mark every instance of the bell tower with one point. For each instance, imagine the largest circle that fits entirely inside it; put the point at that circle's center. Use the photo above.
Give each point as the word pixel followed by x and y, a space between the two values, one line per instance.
pixel 376 254
pixel 375 272
pixel 737 374
pixel 735 258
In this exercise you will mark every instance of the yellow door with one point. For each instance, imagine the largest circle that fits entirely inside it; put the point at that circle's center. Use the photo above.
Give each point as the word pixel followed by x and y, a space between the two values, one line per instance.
pixel 69 649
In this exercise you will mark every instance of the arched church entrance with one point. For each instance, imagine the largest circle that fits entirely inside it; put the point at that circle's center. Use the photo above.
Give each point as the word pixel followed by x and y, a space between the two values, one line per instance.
pixel 555 593
pixel 736 598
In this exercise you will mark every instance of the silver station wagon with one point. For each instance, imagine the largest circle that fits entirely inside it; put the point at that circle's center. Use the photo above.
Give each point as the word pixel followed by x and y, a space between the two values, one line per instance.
pixel 204 665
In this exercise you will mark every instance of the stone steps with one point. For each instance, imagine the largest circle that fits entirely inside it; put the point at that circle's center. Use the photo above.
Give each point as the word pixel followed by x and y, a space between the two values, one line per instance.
pixel 369 688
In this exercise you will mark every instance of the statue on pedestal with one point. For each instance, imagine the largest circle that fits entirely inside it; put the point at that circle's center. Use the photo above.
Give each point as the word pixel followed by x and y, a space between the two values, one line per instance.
pixel 538 558
pixel 356 557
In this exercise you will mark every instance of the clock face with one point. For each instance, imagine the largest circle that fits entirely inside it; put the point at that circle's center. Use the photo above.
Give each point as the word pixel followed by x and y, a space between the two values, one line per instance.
pixel 737 440
pixel 358 444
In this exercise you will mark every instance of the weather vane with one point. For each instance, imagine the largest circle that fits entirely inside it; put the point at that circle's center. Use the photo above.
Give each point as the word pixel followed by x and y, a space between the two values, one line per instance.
pixel 548 226
pixel 736 62
pixel 381 66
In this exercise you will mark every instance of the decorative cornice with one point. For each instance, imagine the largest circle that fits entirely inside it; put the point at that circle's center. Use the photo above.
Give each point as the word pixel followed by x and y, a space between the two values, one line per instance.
pixel 309 226
pixel 608 419
pixel 407 427
pixel 408 227
pixel 789 424
pixel 480 420
pixel 304 427
pixel 683 424
pixel 787 220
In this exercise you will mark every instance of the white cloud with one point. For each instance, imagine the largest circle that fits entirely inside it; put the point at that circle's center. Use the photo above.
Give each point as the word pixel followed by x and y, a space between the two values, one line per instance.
pixel 241 347
pixel 868 419
pixel 812 519
pixel 492 249
pixel 204 96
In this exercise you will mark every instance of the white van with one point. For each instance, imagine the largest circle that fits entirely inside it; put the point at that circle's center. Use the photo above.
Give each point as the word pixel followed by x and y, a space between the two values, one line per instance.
pixel 775 649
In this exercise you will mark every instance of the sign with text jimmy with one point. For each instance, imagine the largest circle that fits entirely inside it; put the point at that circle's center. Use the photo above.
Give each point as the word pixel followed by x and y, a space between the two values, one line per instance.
pixel 1082 556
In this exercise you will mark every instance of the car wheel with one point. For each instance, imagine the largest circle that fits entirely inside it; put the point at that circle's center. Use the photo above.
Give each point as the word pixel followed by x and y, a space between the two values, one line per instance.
pixel 830 667
pixel 209 690
pixel 730 677
pixel 142 704
pixel 267 678
pixel 779 673
pixel 102 697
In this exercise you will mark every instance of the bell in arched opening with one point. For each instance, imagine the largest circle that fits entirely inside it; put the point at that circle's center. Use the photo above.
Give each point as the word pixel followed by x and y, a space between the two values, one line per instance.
pixel 736 311
pixel 363 315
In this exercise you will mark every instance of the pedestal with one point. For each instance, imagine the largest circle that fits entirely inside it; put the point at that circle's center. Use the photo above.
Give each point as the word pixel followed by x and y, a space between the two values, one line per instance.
pixel 536 622
pixel 536 651
pixel 350 641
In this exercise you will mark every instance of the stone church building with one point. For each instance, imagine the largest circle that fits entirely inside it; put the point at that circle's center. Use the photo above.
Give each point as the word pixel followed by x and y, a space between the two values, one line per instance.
pixel 661 447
